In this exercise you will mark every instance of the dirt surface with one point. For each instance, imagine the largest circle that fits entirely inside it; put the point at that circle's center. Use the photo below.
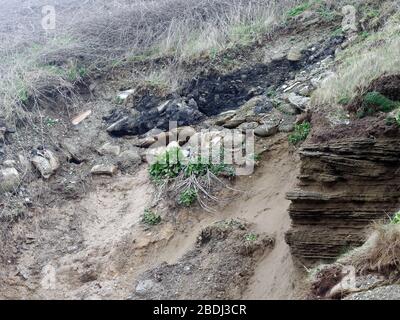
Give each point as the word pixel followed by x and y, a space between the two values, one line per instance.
pixel 96 248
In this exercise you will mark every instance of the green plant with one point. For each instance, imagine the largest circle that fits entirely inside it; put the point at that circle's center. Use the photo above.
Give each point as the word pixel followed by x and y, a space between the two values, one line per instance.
pixel 344 100
pixel 376 100
pixel 298 9
pixel 51 122
pixel 337 32
pixel 187 197
pixel 395 219
pixel 150 218
pixel 168 165
pixel 251 237
pixel 300 133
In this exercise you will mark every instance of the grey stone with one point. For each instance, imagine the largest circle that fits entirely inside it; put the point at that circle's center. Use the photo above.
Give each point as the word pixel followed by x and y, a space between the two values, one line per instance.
pixel 145 142
pixel 144 286
pixel 129 158
pixel 46 163
pixel 266 130
pixel 294 55
pixel 101 169
pixel 391 292
pixel 9 180
pixel 110 149
pixel 10 163
pixel 234 123
pixel 299 101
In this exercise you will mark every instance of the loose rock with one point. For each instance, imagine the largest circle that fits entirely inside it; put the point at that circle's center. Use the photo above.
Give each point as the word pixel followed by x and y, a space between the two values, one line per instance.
pixel 9 180
pixel 100 169
pixel 110 149
pixel 46 163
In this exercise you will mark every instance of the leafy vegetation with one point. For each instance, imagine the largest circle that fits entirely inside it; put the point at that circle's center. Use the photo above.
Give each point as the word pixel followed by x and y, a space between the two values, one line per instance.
pixel 188 197
pixel 395 219
pixel 300 133
pixel 151 218
pixel 168 165
pixel 251 237
pixel 191 176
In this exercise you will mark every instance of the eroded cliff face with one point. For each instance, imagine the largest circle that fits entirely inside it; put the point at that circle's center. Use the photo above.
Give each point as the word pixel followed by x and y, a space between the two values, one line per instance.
pixel 343 186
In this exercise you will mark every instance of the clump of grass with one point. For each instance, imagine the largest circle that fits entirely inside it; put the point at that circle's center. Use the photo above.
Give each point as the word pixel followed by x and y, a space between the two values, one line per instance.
pixel 375 55
pixel 381 252
pixel 379 101
pixel 151 218
pixel 301 132
pixel 298 9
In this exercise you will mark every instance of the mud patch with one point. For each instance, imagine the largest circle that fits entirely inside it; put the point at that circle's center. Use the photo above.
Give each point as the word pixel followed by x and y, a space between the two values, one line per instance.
pixel 219 267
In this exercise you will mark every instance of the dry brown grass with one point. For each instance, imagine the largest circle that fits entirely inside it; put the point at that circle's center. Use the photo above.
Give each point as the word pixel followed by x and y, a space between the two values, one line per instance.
pixel 381 252
pixel 359 65
pixel 92 35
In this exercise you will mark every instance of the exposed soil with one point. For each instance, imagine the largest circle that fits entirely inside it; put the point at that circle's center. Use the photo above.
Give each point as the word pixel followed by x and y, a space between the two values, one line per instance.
pixel 96 247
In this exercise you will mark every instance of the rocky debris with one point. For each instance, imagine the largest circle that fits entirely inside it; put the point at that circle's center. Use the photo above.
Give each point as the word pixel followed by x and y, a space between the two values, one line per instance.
pixel 288 109
pixel 129 158
pixel 234 123
pixel 344 185
pixel 109 149
pixel 145 286
pixel 145 142
pixel 80 117
pixel 102 169
pixel 9 163
pixel 73 152
pixel 45 162
pixel 124 96
pixel 181 135
pixel 295 55
pixel 212 93
pixel 123 122
pixel 225 117
pixel 266 130
pixel 301 103
pixel 9 180
pixel 391 292
pixel 217 268
pixel 287 124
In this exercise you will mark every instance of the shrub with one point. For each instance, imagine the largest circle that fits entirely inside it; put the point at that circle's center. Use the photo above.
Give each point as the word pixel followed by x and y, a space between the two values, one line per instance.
pixel 300 133
pixel 188 197
pixel 151 218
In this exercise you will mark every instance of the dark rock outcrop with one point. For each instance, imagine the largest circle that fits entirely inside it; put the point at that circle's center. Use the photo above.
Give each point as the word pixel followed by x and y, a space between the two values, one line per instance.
pixel 344 186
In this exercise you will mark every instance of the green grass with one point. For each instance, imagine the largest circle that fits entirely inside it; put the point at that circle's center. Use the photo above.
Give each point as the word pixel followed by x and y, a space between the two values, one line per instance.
pixel 298 9
pixel 150 218
pixel 379 101
pixel 301 132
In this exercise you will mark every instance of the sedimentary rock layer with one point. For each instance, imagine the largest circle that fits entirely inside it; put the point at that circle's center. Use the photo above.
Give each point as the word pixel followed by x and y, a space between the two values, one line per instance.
pixel 343 186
